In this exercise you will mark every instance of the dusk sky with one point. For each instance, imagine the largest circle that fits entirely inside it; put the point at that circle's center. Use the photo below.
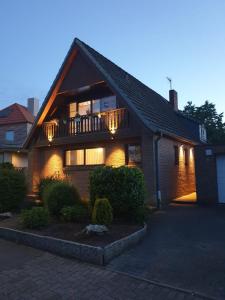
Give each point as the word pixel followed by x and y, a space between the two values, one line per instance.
pixel 151 40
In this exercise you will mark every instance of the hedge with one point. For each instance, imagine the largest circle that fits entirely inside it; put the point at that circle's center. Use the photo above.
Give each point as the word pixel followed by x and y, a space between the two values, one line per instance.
pixel 124 188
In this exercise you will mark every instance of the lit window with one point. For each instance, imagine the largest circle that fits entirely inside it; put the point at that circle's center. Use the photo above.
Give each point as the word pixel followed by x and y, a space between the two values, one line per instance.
pixel 75 157
pixel 95 156
pixel 9 136
pixel 96 106
pixel 134 153
pixel 72 109
pixel 84 108
pixel 176 155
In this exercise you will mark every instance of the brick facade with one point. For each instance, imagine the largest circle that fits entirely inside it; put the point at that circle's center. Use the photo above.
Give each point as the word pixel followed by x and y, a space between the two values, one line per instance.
pixel 175 180
pixel 20 133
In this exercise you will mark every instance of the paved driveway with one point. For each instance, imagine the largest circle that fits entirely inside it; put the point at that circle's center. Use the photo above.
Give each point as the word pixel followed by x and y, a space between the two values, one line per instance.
pixel 29 274
pixel 185 247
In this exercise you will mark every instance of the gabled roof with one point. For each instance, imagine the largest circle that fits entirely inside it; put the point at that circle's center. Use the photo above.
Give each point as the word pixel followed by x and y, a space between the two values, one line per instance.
pixel 154 111
pixel 15 113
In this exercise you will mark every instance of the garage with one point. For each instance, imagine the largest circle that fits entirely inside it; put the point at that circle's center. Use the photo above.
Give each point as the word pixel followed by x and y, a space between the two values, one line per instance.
pixel 210 174
pixel 220 166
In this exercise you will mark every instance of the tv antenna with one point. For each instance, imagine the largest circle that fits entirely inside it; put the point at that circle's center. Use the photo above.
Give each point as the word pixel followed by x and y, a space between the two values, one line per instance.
pixel 170 82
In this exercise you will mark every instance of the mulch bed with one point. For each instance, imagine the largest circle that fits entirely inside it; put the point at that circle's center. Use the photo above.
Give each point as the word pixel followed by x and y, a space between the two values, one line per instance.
pixel 73 231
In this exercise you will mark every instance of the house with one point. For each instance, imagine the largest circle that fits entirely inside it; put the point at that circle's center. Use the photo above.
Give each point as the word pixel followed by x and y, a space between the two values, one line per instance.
pixel 95 113
pixel 15 123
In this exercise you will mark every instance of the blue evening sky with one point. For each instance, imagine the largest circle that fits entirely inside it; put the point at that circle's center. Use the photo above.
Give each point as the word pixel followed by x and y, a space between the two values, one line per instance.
pixel 181 39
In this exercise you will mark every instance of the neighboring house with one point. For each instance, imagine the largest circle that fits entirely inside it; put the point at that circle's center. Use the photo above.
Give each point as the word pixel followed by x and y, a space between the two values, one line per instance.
pixel 95 113
pixel 15 124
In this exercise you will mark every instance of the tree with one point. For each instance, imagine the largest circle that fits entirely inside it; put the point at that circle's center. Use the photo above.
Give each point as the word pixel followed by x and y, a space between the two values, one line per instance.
pixel 207 114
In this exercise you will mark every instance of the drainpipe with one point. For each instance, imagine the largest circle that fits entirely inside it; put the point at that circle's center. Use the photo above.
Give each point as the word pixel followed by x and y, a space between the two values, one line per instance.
pixel 158 192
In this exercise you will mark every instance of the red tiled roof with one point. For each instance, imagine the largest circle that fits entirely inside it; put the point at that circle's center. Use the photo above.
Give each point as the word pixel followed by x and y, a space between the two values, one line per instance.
pixel 15 113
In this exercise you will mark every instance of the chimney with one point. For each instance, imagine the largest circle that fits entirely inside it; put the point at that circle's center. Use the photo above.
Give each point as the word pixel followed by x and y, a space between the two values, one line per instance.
pixel 173 99
pixel 33 106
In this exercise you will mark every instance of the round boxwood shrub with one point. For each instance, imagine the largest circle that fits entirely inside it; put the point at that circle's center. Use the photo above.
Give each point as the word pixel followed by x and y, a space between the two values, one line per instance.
pixel 6 165
pixel 35 218
pixel 59 195
pixel 123 186
pixel 76 213
pixel 102 212
pixel 12 189
pixel 44 183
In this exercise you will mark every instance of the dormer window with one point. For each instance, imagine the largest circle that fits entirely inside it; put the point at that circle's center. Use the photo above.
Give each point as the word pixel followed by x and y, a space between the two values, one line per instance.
pixel 202 133
pixel 9 136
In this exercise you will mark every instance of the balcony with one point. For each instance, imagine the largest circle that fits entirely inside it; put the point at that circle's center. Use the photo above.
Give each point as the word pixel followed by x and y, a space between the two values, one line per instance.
pixel 109 121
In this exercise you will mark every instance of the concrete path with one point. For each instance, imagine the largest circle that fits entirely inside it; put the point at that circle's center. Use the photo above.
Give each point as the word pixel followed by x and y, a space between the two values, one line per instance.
pixel 185 247
pixel 30 274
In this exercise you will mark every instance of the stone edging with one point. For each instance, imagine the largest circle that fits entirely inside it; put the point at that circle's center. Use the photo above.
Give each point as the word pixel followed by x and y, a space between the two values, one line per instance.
pixel 87 253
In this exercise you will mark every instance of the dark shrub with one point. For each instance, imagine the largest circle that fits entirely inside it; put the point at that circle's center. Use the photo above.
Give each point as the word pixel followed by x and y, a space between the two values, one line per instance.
pixel 59 195
pixel 35 218
pixel 12 189
pixel 76 213
pixel 6 165
pixel 44 183
pixel 123 186
pixel 102 212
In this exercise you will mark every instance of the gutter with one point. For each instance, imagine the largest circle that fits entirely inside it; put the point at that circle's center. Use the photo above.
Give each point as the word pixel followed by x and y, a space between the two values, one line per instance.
pixel 158 192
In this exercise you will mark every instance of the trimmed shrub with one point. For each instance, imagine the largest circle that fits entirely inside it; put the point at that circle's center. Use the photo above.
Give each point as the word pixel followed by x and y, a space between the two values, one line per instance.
pixel 123 186
pixel 44 183
pixel 59 195
pixel 6 165
pixel 102 212
pixel 12 189
pixel 76 213
pixel 35 218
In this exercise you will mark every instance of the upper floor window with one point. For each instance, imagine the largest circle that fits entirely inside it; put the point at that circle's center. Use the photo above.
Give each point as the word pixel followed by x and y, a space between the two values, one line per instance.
pixel 202 133
pixel 92 106
pixel 9 136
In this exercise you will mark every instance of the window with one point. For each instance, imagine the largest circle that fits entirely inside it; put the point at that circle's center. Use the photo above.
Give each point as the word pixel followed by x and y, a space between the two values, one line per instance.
pixel 95 156
pixel 134 153
pixel 75 157
pixel 1 158
pixel 202 133
pixel 84 108
pixel 108 103
pixel 92 156
pixel 72 109
pixel 176 155
pixel 9 136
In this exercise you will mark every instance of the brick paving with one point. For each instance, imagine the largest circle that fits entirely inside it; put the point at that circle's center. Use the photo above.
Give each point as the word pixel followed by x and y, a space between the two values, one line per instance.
pixel 27 273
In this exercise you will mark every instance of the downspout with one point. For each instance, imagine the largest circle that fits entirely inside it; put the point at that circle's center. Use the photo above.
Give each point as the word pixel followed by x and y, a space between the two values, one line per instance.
pixel 158 192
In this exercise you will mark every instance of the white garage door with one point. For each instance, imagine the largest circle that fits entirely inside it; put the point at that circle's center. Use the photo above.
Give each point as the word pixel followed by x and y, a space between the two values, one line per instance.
pixel 220 163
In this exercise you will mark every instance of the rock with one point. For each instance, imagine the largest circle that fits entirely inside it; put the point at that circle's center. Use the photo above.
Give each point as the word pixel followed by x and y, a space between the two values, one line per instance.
pixel 6 215
pixel 96 229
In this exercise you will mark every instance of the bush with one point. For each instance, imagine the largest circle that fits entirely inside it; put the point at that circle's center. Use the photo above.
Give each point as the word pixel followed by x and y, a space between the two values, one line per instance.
pixel 76 213
pixel 102 212
pixel 44 183
pixel 6 165
pixel 123 186
pixel 35 218
pixel 12 189
pixel 59 195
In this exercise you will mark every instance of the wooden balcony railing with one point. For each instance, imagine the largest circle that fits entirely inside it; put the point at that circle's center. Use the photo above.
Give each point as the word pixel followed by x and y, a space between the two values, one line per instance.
pixel 110 121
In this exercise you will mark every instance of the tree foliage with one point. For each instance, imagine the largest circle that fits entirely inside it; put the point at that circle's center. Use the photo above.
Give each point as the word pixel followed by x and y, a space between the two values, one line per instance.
pixel 207 114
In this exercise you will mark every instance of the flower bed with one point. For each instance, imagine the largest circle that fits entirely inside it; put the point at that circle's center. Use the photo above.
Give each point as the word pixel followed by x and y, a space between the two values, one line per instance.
pixel 93 249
